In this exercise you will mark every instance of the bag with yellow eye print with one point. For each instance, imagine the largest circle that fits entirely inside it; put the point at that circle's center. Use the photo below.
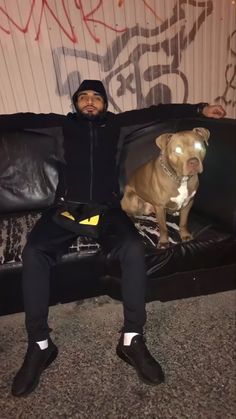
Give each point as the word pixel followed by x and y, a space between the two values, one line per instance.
pixel 81 218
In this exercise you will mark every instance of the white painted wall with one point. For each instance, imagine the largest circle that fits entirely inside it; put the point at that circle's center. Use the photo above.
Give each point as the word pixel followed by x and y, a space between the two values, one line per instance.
pixel 146 51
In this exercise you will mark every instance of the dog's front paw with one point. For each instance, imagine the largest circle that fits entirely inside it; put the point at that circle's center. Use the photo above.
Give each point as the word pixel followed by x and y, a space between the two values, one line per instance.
pixel 185 236
pixel 163 241
pixel 163 244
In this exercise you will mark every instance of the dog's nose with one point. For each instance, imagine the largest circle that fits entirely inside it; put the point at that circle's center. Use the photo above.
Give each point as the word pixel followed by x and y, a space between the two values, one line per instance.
pixel 193 165
pixel 193 162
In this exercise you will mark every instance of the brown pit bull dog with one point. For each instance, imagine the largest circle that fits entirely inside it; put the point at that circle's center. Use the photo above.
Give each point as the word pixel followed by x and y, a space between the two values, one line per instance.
pixel 169 182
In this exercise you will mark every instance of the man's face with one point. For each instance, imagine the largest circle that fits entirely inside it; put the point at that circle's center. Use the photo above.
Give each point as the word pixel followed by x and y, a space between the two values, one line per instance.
pixel 90 102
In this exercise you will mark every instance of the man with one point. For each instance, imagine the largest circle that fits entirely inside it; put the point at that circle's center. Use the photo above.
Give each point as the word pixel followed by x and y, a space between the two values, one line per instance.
pixel 90 149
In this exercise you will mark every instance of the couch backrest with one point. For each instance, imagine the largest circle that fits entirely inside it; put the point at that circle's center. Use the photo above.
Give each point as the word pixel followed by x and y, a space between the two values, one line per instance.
pixel 29 162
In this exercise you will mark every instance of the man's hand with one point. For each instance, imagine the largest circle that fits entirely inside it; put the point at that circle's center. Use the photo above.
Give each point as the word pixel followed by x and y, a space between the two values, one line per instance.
pixel 214 111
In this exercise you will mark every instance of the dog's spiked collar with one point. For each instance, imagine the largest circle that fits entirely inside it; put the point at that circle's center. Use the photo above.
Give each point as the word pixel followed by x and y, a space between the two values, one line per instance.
pixel 170 173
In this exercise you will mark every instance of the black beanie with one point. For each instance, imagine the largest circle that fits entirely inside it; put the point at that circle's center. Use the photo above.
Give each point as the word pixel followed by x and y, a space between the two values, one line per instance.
pixel 96 86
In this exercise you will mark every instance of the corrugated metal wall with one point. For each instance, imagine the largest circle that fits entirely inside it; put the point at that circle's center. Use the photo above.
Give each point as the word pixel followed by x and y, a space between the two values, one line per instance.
pixel 145 51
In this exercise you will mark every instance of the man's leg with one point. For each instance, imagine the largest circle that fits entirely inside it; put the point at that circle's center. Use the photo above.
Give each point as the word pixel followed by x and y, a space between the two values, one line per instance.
pixel 45 244
pixel 120 236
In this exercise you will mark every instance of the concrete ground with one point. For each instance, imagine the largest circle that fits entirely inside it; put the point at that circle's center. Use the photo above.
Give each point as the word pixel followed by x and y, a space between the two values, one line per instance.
pixel 194 340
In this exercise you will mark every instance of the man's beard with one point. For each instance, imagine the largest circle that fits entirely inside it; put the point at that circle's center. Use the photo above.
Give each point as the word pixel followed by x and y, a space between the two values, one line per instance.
pixel 90 116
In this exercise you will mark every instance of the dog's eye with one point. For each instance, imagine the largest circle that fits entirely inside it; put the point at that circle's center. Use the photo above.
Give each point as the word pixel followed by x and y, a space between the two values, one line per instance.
pixel 198 145
pixel 178 150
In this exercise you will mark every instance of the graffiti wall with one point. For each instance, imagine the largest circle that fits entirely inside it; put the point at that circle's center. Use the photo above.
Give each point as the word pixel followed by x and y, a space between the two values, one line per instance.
pixel 145 52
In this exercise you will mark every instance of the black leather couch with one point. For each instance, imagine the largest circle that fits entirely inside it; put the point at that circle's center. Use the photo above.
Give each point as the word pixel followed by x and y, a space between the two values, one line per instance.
pixel 28 177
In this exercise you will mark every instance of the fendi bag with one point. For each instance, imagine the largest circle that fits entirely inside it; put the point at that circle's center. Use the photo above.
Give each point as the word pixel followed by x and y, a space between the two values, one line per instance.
pixel 81 218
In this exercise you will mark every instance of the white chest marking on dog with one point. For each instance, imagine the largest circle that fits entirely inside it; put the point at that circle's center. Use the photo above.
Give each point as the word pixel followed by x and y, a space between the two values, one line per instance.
pixel 183 198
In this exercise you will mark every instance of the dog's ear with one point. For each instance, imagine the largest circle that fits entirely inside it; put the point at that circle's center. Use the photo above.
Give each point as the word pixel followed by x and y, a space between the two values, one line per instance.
pixel 163 140
pixel 203 132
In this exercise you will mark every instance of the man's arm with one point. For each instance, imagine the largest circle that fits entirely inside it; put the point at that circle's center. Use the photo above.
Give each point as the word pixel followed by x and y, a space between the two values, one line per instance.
pixel 169 111
pixel 29 120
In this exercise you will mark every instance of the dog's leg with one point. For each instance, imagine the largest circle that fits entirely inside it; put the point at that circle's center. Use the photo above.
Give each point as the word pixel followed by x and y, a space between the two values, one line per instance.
pixel 127 203
pixel 183 221
pixel 161 219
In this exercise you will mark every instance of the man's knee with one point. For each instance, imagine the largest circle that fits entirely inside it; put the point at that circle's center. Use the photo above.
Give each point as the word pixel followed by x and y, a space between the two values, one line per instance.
pixel 33 250
pixel 29 252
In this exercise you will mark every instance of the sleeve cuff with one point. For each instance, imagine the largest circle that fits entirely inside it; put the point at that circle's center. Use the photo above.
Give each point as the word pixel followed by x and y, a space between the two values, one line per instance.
pixel 200 107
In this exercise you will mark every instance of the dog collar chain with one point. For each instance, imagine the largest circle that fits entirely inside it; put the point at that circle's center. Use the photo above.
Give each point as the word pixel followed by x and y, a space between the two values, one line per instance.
pixel 173 176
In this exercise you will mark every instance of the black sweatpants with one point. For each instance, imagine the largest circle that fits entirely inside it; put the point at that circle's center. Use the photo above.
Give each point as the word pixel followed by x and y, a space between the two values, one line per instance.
pixel 48 241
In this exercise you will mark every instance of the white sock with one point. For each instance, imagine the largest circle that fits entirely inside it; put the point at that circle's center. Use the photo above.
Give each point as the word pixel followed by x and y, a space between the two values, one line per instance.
pixel 128 337
pixel 43 344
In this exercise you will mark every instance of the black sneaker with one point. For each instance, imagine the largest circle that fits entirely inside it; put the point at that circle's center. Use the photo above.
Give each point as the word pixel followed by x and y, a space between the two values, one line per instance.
pixel 138 355
pixel 35 362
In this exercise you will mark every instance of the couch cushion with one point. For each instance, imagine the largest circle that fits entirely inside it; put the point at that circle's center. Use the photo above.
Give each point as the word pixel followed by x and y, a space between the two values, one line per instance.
pixel 14 230
pixel 210 248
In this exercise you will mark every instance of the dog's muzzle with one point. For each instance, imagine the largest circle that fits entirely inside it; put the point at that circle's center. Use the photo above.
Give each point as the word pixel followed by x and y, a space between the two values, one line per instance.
pixel 193 166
